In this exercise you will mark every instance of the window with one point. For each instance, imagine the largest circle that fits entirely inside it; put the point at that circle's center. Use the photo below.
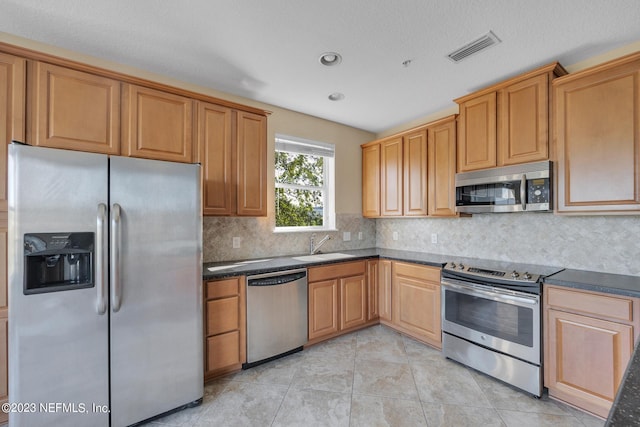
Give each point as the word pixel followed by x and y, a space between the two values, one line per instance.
pixel 304 172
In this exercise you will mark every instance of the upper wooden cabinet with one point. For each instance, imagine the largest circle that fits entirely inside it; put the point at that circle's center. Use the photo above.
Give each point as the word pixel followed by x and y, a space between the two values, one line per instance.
pixel 597 133
pixel 442 167
pixel 477 133
pixel 507 123
pixel 404 174
pixel 415 173
pixel 233 153
pixel 252 164
pixel 157 124
pixel 73 110
pixel 391 177
pixel 371 167
pixel 215 140
pixel 12 112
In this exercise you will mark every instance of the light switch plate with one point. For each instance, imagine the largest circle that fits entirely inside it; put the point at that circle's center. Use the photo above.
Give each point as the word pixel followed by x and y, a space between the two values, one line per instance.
pixel 346 236
pixel 236 243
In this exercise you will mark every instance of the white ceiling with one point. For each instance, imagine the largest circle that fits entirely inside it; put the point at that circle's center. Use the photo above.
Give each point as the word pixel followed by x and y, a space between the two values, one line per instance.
pixel 268 50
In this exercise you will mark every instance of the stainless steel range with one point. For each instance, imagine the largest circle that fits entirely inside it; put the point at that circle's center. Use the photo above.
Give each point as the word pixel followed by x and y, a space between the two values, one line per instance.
pixel 491 315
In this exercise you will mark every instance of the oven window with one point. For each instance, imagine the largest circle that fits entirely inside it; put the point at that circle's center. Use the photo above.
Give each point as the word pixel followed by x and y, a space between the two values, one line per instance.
pixel 501 320
pixel 504 193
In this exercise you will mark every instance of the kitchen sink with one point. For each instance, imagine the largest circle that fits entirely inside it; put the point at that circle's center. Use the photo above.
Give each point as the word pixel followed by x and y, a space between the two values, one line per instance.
pixel 323 257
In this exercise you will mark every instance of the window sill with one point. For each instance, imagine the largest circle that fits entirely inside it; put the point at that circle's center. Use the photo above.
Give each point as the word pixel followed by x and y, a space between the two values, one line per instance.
pixel 303 229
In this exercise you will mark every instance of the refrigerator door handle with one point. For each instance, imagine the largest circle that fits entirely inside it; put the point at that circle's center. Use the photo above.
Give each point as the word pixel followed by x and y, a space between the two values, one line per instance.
pixel 101 257
pixel 116 238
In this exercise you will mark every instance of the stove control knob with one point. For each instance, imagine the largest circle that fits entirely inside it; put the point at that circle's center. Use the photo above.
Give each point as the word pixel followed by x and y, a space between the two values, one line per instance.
pixel 515 274
pixel 453 265
pixel 526 276
pixel 461 267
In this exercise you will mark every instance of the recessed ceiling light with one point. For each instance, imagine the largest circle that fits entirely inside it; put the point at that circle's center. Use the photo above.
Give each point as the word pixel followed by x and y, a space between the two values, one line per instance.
pixel 336 96
pixel 330 59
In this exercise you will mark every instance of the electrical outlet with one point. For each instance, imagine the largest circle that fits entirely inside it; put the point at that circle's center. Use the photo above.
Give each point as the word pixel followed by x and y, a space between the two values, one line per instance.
pixel 395 235
pixel 434 238
pixel 346 236
pixel 359 235
pixel 236 243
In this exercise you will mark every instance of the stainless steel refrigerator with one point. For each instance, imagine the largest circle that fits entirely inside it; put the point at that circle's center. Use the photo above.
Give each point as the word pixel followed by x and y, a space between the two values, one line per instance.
pixel 105 302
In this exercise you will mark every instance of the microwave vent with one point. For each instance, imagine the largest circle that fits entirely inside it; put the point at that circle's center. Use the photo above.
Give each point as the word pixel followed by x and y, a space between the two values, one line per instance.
pixel 478 45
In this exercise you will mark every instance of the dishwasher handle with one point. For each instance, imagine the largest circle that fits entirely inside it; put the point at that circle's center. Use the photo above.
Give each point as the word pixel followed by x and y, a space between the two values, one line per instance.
pixel 276 279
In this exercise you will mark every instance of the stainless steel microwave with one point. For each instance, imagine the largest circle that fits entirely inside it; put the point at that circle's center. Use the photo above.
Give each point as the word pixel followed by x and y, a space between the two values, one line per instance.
pixel 518 188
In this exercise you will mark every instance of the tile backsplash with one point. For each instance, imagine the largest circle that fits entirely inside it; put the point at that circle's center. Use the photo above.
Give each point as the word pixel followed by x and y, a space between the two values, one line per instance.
pixel 599 243
pixel 257 239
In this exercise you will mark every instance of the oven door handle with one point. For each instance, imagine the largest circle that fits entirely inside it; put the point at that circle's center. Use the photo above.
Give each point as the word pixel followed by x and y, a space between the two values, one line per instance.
pixel 485 293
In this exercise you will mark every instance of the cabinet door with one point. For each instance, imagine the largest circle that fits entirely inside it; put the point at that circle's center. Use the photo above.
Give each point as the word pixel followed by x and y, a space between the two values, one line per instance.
pixel 215 140
pixel 477 133
pixel 223 351
pixel 323 308
pixel 442 169
pixel 371 181
pixel 252 164
pixel 74 110
pixel 157 125
pixel 416 303
pixel 414 147
pixel 372 290
pixel 524 121
pixel 587 358
pixel 384 289
pixel 391 177
pixel 596 120
pixel 353 302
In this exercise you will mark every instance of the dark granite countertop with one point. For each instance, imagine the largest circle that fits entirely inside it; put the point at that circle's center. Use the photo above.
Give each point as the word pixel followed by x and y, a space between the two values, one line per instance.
pixel 267 265
pixel 594 281
pixel 626 409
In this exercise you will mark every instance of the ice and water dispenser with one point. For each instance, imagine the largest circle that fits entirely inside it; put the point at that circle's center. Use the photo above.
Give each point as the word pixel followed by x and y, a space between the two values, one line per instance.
pixel 57 262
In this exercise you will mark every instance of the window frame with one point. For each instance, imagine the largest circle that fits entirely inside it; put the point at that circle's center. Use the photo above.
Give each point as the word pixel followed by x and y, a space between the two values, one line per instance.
pixel 295 145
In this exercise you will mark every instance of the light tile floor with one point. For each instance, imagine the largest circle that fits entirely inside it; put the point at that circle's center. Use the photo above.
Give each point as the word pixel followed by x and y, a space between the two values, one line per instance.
pixel 373 377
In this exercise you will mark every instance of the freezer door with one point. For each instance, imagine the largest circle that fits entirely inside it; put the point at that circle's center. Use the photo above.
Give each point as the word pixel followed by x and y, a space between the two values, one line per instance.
pixel 156 289
pixel 58 342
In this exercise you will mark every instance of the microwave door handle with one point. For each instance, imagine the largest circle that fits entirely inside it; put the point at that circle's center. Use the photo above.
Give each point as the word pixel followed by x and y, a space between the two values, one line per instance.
pixel 101 257
pixel 523 191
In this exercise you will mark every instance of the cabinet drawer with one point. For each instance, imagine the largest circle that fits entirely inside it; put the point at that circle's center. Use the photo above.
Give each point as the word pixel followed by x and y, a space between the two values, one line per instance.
pixel 431 274
pixel 223 288
pixel 333 271
pixel 223 315
pixel 609 306
pixel 223 351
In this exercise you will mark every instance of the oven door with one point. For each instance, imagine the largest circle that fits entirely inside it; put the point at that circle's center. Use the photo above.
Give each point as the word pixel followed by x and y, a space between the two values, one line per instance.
pixel 506 321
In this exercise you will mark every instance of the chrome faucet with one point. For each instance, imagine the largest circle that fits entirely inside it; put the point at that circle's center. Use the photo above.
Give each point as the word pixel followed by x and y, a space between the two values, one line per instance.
pixel 312 244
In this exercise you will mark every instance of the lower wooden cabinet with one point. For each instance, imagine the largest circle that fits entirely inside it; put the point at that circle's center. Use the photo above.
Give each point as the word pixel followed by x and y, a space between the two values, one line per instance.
pixel 588 342
pixel 373 311
pixel 384 291
pixel 225 326
pixel 338 299
pixel 416 302
pixel 323 309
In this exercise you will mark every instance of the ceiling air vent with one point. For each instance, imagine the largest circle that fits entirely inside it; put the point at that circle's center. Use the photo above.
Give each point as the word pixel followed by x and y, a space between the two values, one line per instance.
pixel 482 43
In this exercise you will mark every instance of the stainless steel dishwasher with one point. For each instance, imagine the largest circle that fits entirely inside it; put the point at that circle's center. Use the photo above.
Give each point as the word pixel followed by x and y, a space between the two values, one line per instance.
pixel 276 315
